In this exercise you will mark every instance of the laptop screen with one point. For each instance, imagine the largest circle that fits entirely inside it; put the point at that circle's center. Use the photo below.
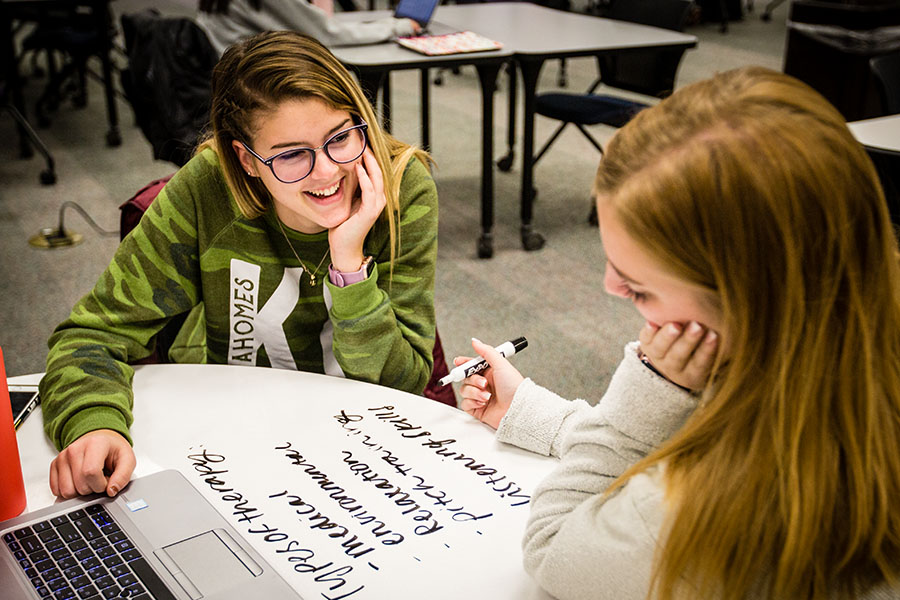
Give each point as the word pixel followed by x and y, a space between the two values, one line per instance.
pixel 419 11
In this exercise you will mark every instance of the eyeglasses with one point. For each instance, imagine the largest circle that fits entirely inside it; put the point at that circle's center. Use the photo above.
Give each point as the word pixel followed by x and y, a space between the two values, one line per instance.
pixel 295 164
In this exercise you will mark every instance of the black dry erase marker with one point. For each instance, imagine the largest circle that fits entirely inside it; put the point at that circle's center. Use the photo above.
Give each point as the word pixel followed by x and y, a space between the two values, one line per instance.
pixel 477 365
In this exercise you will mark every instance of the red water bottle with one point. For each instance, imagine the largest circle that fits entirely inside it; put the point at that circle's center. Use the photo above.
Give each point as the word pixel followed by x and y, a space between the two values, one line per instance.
pixel 12 487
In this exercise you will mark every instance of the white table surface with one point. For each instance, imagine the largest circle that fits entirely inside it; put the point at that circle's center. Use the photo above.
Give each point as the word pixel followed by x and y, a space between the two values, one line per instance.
pixel 882 133
pixel 395 56
pixel 522 27
pixel 526 28
pixel 246 413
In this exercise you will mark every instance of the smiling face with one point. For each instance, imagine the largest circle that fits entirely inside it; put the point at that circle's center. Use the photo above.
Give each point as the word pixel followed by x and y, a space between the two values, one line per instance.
pixel 325 198
pixel 657 295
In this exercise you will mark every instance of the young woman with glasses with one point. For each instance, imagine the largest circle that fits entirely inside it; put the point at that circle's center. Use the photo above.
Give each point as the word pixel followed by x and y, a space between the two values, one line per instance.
pixel 281 239
pixel 748 445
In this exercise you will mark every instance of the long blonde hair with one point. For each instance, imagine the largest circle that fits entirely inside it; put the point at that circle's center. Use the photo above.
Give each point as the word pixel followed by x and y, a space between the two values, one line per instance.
pixel 785 483
pixel 257 74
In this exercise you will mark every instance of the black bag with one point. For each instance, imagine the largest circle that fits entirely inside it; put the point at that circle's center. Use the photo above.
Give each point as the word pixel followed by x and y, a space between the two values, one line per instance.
pixel 167 82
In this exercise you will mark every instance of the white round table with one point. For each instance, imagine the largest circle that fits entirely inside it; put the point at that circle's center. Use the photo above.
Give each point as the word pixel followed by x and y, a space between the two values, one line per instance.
pixel 438 505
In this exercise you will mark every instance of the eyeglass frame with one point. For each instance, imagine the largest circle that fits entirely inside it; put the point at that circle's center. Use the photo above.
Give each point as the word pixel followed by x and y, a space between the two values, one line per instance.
pixel 268 161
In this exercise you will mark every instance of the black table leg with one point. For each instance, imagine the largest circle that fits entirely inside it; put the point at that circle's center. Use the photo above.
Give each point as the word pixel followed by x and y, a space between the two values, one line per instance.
pixel 113 137
pixel 371 81
pixel 425 109
pixel 14 81
pixel 487 75
pixel 386 102
pixel 531 240
pixel 505 163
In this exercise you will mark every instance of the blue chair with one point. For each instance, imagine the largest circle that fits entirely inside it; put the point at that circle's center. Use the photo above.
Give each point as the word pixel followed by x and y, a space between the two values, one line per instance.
pixel 650 72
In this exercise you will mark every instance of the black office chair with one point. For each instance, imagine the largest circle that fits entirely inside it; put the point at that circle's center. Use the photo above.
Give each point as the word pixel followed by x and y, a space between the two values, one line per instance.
pixel 767 11
pixel 11 100
pixel 28 137
pixel 886 69
pixel 74 32
pixel 650 72
pixel 829 45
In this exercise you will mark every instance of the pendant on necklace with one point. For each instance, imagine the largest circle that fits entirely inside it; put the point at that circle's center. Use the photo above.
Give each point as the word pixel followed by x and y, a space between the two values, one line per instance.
pixel 312 279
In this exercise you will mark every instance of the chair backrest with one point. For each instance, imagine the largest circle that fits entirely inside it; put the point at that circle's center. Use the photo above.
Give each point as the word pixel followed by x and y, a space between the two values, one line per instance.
pixel 829 45
pixel 134 208
pixel 646 70
pixel 667 14
pixel 886 69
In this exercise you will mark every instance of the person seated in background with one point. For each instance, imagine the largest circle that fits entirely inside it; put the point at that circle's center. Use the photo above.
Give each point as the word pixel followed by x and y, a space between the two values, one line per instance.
pixel 748 445
pixel 227 21
pixel 300 236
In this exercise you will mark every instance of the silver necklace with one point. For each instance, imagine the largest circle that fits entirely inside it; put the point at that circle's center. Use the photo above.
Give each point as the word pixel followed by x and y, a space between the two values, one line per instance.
pixel 312 274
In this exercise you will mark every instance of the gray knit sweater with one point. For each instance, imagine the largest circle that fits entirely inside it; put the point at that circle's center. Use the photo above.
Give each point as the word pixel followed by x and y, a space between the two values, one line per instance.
pixel 578 545
pixel 243 20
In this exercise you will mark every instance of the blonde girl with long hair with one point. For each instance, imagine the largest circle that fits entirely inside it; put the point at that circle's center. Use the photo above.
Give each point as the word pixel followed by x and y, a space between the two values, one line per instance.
pixel 748 445
pixel 300 236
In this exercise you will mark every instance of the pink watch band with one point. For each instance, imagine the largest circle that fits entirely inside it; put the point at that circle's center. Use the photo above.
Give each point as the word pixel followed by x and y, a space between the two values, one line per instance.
pixel 341 279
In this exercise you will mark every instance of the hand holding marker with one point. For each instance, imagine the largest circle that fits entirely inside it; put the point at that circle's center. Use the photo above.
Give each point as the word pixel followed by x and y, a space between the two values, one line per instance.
pixel 477 365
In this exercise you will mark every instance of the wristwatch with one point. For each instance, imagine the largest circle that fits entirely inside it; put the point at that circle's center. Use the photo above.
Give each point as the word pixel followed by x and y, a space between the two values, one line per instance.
pixel 341 279
pixel 646 362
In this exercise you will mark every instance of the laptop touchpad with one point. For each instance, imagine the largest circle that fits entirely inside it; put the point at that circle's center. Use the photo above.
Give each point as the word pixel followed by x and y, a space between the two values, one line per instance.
pixel 208 563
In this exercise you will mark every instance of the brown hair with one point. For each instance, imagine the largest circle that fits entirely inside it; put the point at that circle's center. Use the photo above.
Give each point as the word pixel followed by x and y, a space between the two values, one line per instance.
pixel 785 482
pixel 256 75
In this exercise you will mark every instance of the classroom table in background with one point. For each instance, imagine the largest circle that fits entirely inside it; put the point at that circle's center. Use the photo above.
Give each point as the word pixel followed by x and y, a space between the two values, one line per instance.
pixel 374 63
pixel 880 133
pixel 367 458
pixel 530 34
pixel 535 34
pixel 881 138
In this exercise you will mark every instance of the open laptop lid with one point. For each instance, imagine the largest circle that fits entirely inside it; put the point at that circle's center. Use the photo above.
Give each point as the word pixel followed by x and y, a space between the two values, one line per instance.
pixel 419 11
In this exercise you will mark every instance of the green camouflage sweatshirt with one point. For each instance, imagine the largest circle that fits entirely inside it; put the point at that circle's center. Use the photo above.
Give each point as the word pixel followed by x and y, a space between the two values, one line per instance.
pixel 193 252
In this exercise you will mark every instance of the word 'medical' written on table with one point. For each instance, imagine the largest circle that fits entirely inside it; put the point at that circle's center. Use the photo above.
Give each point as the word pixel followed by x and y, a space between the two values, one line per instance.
pixel 368 502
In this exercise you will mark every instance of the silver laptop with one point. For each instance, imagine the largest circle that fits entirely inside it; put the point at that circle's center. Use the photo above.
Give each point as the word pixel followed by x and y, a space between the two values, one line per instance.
pixel 159 538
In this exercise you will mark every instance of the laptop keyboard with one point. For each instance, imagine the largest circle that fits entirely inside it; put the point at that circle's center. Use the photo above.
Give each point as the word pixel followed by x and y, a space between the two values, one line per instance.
pixel 84 554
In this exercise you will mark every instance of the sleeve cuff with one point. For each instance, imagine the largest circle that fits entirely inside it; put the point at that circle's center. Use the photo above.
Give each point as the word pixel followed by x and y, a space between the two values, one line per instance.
pixel 535 419
pixel 354 301
pixel 91 419
pixel 643 405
